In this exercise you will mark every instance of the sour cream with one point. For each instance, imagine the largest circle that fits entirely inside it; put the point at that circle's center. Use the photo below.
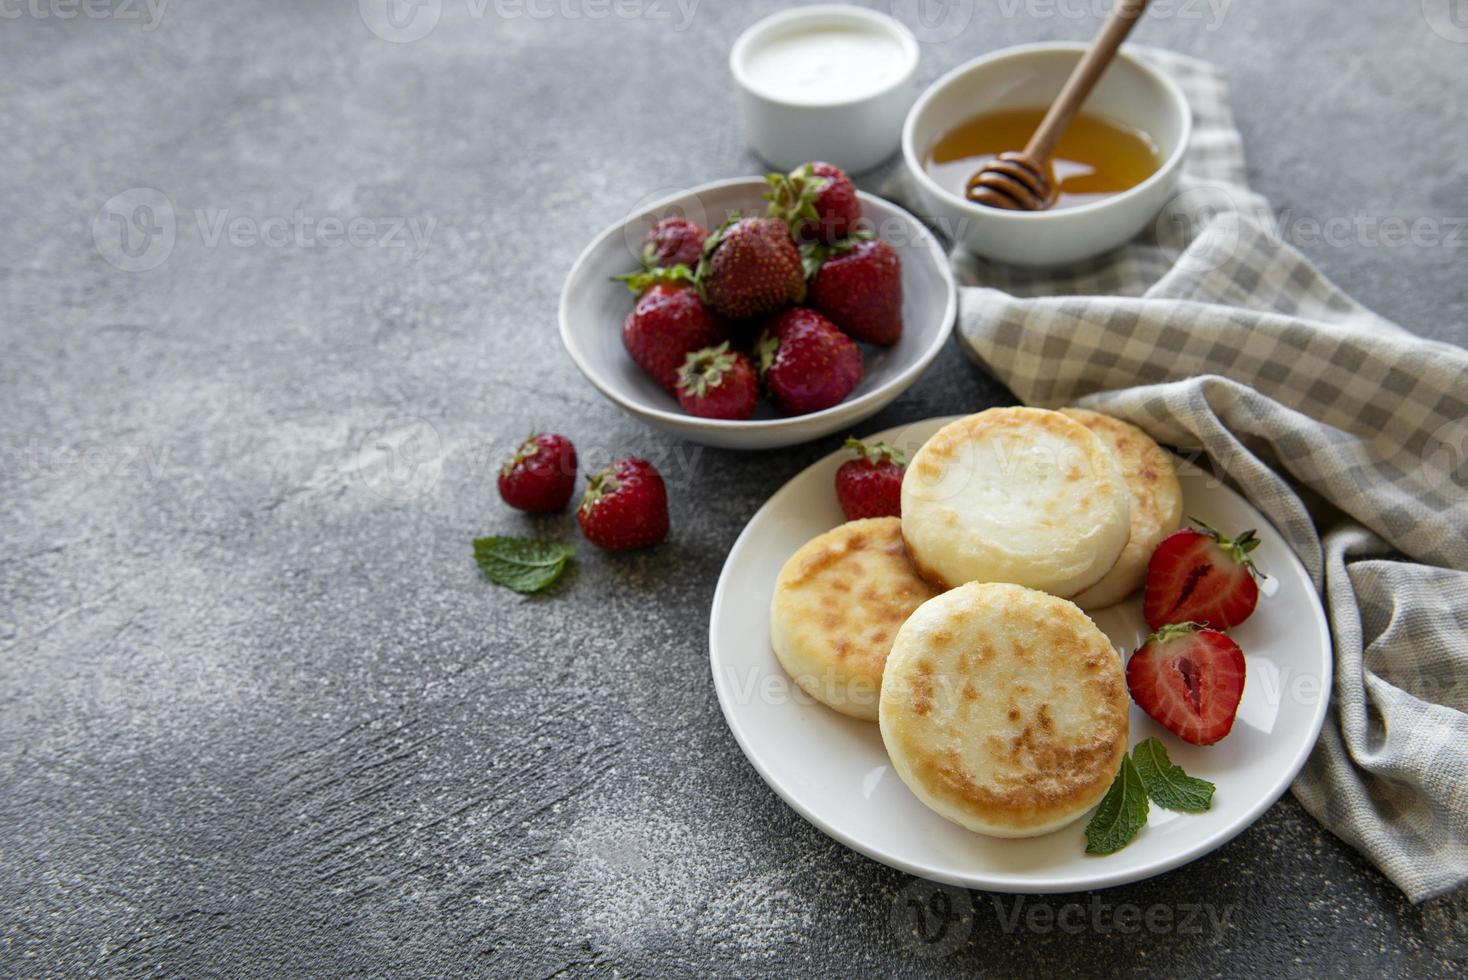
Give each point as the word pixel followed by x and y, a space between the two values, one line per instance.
pixel 826 64
pixel 825 82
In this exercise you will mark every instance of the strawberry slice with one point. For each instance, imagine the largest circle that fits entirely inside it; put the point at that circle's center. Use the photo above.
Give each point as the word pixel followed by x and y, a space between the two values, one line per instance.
pixel 1202 576
pixel 1190 679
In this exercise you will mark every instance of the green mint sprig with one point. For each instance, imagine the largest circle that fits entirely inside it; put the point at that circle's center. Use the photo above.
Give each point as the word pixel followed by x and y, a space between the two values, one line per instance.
pixel 1146 773
pixel 1167 784
pixel 522 564
pixel 1122 813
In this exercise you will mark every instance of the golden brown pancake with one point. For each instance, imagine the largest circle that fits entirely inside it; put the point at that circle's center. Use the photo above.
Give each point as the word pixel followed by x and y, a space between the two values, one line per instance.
pixel 1020 495
pixel 838 603
pixel 1004 709
pixel 1157 504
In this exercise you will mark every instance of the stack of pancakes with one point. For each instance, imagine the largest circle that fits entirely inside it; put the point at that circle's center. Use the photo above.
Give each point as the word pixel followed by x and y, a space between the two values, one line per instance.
pixel 959 626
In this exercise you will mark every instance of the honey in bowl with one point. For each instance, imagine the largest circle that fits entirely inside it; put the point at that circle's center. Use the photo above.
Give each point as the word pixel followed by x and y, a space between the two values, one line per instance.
pixel 1096 158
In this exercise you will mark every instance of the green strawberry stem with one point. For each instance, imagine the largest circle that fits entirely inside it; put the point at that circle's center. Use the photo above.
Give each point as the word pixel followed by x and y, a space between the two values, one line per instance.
pixel 1238 548
pixel 705 369
pixel 814 254
pixel 523 452
pixel 793 196
pixel 877 453
pixel 1173 630
pixel 638 282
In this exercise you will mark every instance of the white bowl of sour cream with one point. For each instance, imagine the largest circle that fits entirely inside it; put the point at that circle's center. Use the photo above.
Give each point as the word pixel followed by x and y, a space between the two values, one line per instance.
pixel 828 82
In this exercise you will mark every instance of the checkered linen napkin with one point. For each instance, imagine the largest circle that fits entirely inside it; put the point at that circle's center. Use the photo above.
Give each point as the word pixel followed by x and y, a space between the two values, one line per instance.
pixel 1349 433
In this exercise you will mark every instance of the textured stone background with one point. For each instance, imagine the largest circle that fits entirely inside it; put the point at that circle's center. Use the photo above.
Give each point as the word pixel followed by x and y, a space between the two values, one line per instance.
pixel 258 712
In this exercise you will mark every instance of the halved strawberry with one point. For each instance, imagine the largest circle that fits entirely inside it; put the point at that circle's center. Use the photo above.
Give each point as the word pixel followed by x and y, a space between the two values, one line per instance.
pixel 1202 576
pixel 1190 679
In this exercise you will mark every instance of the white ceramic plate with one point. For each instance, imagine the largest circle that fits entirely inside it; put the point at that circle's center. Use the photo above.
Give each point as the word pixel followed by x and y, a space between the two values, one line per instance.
pixel 834 770
pixel 593 308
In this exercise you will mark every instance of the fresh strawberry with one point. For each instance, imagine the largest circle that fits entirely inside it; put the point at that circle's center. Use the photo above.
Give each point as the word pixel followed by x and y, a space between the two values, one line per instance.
pixel 540 475
pixel 1201 576
pixel 668 322
pixel 806 363
pixel 625 506
pixel 858 284
pixel 871 484
pixel 717 383
pixel 817 200
pixel 751 267
pixel 1190 679
pixel 673 241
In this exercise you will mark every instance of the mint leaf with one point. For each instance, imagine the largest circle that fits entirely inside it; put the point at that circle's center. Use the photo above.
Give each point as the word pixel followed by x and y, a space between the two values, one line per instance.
pixel 521 564
pixel 1122 813
pixel 1167 784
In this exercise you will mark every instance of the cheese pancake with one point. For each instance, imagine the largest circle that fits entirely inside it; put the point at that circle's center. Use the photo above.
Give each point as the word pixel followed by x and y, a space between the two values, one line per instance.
pixel 1004 709
pixel 837 606
pixel 1156 499
pixel 1019 495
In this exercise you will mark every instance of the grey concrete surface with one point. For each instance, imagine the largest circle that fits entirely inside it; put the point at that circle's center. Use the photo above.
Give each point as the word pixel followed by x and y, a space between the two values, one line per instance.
pixel 260 716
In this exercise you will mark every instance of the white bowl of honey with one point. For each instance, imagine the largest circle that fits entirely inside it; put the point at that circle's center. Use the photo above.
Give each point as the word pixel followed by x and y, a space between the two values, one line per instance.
pixel 1116 167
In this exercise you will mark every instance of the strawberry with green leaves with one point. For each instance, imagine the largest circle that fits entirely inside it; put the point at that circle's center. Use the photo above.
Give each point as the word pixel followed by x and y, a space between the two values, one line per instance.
pixel 871 484
pixel 625 506
pixel 672 242
pixel 750 267
pixel 857 283
pixel 817 200
pixel 806 363
pixel 668 322
pixel 540 475
pixel 718 383
pixel 1190 679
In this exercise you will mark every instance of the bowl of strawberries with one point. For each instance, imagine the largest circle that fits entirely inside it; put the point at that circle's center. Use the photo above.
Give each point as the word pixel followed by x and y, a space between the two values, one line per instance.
pixel 756 313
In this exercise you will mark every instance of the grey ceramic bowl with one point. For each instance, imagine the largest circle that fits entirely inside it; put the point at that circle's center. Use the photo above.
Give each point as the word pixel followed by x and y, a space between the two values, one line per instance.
pixel 593 308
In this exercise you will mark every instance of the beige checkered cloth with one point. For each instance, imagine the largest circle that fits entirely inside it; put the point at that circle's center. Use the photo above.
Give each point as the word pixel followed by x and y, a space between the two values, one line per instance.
pixel 1348 432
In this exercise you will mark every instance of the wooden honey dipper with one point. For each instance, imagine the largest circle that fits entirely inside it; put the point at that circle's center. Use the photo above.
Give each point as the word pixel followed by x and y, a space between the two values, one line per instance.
pixel 1023 181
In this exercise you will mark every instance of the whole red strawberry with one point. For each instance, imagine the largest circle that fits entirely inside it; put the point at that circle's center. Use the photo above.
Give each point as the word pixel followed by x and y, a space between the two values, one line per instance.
pixel 673 241
pixel 1190 679
pixel 806 363
pixel 751 267
pixel 625 506
pixel 817 200
pixel 1201 576
pixel 717 383
pixel 859 286
pixel 871 484
pixel 668 322
pixel 540 475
